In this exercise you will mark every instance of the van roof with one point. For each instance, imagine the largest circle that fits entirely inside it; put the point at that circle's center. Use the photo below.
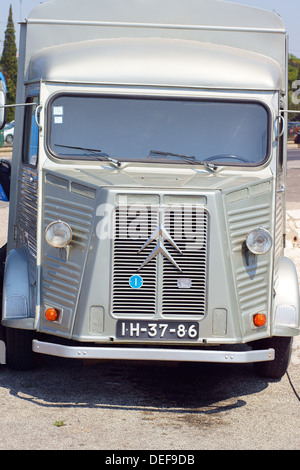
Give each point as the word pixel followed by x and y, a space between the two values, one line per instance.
pixel 177 12
pixel 215 23
pixel 154 62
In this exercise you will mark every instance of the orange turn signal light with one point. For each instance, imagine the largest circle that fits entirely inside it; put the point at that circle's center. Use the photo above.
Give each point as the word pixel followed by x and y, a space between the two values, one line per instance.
pixel 51 314
pixel 259 319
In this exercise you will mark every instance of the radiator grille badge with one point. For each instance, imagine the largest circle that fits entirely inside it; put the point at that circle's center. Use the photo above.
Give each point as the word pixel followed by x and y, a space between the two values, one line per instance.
pixel 160 233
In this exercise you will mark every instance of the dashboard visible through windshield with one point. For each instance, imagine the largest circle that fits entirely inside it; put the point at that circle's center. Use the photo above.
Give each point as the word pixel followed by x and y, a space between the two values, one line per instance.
pixel 158 130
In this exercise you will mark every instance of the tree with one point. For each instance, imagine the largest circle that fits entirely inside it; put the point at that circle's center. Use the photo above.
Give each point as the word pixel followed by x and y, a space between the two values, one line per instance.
pixel 293 84
pixel 9 64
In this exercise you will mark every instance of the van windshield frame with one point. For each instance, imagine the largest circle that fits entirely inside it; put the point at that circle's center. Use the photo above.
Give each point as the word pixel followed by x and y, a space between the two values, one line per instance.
pixel 155 129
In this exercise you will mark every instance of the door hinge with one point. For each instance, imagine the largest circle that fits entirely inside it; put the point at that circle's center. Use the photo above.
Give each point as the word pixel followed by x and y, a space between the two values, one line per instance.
pixel 15 232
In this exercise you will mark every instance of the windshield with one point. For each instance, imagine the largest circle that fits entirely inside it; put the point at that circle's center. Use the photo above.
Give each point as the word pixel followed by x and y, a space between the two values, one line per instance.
pixel 158 130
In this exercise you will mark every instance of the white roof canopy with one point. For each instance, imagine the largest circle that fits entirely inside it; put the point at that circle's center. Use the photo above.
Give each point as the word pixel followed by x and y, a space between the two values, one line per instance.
pixel 198 32
pixel 167 62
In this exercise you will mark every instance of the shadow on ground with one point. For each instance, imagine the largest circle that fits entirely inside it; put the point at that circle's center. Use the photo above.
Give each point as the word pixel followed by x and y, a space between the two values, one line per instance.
pixel 178 388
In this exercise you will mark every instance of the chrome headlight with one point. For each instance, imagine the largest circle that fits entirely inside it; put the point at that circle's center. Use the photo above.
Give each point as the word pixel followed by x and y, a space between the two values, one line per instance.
pixel 58 234
pixel 259 241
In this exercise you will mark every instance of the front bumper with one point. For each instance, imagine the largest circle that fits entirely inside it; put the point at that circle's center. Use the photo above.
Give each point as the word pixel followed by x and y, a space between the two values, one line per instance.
pixel 152 354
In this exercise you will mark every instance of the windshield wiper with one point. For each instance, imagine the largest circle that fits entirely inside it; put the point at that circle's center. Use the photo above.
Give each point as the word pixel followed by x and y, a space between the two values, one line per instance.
pixel 189 158
pixel 96 152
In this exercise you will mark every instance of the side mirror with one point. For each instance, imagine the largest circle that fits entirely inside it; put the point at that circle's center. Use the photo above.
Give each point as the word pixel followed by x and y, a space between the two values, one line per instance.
pixel 2 104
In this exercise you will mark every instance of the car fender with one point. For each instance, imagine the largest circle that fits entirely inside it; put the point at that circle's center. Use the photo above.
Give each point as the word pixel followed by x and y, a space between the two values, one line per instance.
pixel 16 288
pixel 286 311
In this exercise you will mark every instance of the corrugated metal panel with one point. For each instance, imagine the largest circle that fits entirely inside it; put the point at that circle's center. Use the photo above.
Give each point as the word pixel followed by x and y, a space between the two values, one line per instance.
pixel 61 278
pixel 242 221
pixel 78 216
pixel 279 228
pixel 252 280
pixel 60 282
pixel 27 209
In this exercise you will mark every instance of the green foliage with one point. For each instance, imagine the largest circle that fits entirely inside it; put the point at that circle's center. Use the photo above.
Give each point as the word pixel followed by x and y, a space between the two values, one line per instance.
pixel 59 424
pixel 293 77
pixel 294 67
pixel 9 64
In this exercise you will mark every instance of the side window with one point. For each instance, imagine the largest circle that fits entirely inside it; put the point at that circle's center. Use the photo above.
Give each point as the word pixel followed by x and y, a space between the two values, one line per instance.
pixel 31 133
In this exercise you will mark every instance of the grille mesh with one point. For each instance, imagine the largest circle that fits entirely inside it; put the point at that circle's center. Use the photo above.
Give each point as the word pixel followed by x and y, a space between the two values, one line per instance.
pixel 132 229
pixel 188 229
pixel 166 290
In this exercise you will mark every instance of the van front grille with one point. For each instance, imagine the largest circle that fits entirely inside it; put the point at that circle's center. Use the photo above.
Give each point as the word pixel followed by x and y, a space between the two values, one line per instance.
pixel 185 292
pixel 131 232
pixel 167 248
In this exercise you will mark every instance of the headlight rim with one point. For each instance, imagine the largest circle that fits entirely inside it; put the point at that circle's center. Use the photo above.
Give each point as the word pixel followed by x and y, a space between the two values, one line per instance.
pixel 270 238
pixel 68 227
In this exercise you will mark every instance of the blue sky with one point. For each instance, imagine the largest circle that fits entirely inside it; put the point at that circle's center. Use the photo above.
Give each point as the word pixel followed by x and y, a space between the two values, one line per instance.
pixel 288 10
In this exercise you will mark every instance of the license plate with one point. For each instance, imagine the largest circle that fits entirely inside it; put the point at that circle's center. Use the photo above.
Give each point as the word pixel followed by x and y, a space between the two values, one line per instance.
pixel 157 331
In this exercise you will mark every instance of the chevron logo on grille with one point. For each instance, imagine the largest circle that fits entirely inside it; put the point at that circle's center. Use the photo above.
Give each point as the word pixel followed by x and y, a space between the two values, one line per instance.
pixel 160 234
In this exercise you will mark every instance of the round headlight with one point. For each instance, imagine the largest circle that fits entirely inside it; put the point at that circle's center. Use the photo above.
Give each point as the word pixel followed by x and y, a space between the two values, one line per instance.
pixel 259 241
pixel 58 234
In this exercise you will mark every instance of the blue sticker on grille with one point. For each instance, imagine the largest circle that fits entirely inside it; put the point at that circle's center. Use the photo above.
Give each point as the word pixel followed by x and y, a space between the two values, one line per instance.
pixel 136 281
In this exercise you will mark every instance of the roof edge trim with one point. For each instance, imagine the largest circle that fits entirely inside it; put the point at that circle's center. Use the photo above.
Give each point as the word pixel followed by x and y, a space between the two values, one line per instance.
pixel 157 26
pixel 145 86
